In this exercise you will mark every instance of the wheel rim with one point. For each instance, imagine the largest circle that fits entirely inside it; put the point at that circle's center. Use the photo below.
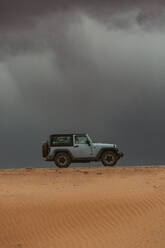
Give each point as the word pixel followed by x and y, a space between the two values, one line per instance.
pixel 62 161
pixel 109 159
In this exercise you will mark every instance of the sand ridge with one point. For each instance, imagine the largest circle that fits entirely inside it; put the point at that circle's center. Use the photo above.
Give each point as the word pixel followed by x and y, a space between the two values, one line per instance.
pixel 83 207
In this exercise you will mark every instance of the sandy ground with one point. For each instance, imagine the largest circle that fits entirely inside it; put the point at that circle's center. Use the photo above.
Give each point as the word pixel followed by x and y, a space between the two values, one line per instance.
pixel 83 207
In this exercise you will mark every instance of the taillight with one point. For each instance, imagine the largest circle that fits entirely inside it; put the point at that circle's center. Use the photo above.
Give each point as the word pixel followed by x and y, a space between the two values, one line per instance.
pixel 48 149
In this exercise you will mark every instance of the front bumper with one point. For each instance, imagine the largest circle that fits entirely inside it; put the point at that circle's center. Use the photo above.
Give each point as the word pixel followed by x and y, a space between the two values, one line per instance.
pixel 120 155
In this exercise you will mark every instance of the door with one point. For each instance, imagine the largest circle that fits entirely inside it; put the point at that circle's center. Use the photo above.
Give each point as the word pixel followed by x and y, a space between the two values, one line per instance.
pixel 82 148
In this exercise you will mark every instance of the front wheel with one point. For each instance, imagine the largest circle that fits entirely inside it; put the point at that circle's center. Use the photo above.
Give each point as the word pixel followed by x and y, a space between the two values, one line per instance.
pixel 62 160
pixel 109 158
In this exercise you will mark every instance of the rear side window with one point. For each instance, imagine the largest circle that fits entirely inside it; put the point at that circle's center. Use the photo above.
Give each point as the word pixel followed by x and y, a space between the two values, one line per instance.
pixel 63 140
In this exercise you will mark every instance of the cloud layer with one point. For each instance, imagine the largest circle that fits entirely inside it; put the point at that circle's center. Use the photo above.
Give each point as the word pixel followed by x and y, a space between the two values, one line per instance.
pixel 22 13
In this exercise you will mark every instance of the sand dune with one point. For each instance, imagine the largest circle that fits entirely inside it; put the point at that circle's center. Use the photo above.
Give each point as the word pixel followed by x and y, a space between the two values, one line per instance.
pixel 83 207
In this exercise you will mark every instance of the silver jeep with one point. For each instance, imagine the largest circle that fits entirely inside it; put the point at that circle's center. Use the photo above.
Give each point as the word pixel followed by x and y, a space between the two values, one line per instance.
pixel 65 149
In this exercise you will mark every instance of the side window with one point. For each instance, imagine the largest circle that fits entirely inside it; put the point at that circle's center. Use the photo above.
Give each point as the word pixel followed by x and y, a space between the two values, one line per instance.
pixel 81 139
pixel 62 140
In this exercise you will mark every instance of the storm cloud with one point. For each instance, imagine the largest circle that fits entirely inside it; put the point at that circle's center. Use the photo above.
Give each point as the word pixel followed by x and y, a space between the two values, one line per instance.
pixel 20 14
pixel 88 66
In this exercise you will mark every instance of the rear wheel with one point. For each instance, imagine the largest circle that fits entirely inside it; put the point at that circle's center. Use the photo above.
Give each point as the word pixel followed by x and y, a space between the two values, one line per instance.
pixel 109 158
pixel 62 160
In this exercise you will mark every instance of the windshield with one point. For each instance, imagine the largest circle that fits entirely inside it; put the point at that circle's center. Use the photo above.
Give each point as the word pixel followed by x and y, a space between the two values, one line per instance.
pixel 89 138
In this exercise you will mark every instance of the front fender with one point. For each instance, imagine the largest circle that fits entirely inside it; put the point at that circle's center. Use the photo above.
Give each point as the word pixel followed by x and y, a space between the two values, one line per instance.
pixel 106 149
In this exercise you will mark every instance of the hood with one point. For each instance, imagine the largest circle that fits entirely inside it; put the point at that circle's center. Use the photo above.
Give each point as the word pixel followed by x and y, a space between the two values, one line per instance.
pixel 105 145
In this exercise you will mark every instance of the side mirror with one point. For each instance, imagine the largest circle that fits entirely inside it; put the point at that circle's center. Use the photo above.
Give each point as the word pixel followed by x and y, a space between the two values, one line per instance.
pixel 88 142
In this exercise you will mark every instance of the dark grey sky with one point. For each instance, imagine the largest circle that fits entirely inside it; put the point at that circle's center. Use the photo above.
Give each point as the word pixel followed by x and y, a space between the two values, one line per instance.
pixel 89 66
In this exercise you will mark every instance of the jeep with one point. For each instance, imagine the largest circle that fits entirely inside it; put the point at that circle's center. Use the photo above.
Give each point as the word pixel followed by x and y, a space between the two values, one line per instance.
pixel 65 149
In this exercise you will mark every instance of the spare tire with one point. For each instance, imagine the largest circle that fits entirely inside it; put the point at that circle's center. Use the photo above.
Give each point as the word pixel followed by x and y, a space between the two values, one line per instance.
pixel 45 149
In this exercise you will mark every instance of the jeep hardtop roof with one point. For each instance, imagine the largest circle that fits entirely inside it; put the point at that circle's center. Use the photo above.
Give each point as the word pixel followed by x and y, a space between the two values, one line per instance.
pixel 59 134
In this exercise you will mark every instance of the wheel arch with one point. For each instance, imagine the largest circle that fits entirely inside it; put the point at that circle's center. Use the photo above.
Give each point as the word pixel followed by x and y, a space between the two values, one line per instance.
pixel 63 150
pixel 104 150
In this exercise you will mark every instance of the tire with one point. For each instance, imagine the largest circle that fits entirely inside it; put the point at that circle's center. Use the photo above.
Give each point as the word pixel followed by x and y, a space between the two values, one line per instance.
pixel 109 158
pixel 62 160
